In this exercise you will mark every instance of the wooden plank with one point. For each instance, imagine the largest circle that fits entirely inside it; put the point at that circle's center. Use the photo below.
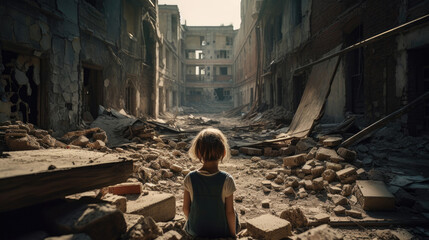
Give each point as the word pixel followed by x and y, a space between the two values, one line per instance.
pixel 25 179
pixel 382 122
pixel 314 97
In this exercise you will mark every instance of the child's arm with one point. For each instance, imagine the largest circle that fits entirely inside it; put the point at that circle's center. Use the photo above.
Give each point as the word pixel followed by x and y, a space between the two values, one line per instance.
pixel 230 214
pixel 186 203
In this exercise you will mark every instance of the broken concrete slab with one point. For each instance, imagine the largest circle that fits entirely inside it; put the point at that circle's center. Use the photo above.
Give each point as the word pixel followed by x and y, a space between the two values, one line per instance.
pixel 374 196
pixel 326 154
pixel 159 206
pixel 339 210
pixel 320 218
pixel 269 227
pixel 332 141
pixel 251 151
pixel 294 161
pixel 353 213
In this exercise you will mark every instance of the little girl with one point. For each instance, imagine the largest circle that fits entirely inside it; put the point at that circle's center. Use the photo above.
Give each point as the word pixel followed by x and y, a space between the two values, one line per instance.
pixel 208 199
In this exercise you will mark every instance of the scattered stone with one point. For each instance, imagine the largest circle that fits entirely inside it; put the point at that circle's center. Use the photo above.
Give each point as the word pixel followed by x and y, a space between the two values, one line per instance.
pixel 119 150
pixel 329 175
pixel 361 174
pixel 325 154
pixel 339 200
pixel 374 196
pixel 322 232
pixel 304 144
pixel 239 198
pixel 168 173
pixel 308 184
pixel 186 171
pixel 102 136
pixel 312 153
pixel 339 210
pixel 234 152
pixel 81 141
pixel 306 169
pixel 292 182
pixel 271 175
pixel 76 236
pixel 279 180
pixel 251 151
pixel 126 188
pixel 334 189
pixel 347 190
pixel 287 151
pixel 159 206
pixel 318 184
pixel 317 171
pixel 119 201
pixel 321 218
pixel 182 145
pixel 334 166
pixel 294 161
pixel 354 213
pixel 266 184
pixel 289 191
pixel 302 193
pixel 172 144
pixel 164 163
pixel 176 168
pixel 386 235
pixel 145 228
pixel 266 190
pixel 268 151
pixel 155 165
pixel 347 175
pixel 332 141
pixel 255 159
pixel 295 216
pixel 269 227
pixel 347 154
pixel 27 142
pixel 266 203
pixel 177 153
pixel 98 220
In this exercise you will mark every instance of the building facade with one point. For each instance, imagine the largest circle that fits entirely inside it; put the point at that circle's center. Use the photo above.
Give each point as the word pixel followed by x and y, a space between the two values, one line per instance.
pixel 370 81
pixel 60 60
pixel 208 57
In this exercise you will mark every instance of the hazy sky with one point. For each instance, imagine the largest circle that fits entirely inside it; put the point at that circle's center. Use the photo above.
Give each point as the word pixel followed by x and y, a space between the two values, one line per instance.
pixel 207 12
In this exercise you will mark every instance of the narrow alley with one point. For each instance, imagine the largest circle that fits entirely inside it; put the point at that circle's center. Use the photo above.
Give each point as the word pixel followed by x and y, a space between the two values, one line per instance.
pixel 324 104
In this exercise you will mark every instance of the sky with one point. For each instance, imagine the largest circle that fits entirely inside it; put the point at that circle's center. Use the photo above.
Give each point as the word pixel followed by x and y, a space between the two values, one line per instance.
pixel 207 12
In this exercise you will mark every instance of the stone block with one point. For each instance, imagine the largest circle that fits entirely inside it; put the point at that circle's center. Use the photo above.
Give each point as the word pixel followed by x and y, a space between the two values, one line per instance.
pixel 354 213
pixel 287 151
pixel 251 151
pixel 176 168
pixel 304 144
pixel 294 161
pixel 269 227
pixel 332 141
pixel 339 200
pixel 102 136
pixel 306 169
pixel 289 191
pixel 347 190
pixel 295 216
pixel 145 228
pixel 347 154
pixel 119 201
pixel 325 154
pixel 159 206
pixel 374 196
pixel 265 203
pixel 334 166
pixel 268 151
pixel 321 218
pixel 97 219
pixel 317 171
pixel 347 175
pixel 318 184
pixel 329 175
pixel 271 175
pixel 81 141
pixel 126 188
pixel 339 210
pixel 334 189
pixel 22 143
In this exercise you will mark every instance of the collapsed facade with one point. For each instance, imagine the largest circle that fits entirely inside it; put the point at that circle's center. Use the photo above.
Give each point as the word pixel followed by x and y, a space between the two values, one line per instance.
pixel 370 81
pixel 60 60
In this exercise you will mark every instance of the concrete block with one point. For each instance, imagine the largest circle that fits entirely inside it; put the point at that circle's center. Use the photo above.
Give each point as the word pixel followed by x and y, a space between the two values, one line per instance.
pixel 339 210
pixel 325 154
pixel 317 171
pixel 294 161
pixel 332 141
pixel 251 151
pixel 308 184
pixel 374 196
pixel 334 166
pixel 321 218
pixel 126 188
pixel 266 203
pixel 159 206
pixel 269 227
pixel 347 175
pixel 347 154
pixel 119 201
pixel 306 169
pixel 318 184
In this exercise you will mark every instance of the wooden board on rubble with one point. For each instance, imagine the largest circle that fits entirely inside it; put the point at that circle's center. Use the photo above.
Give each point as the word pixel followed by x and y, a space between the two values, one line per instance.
pixel 313 99
pixel 379 219
pixel 25 179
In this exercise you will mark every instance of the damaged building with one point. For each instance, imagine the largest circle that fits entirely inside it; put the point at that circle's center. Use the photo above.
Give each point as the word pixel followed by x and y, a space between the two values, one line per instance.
pixel 370 81
pixel 60 60
pixel 171 88
pixel 208 57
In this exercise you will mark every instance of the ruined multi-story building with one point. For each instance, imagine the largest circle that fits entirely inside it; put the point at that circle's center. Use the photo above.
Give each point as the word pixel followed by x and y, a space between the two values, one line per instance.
pixel 208 58
pixel 171 88
pixel 60 60
pixel 372 81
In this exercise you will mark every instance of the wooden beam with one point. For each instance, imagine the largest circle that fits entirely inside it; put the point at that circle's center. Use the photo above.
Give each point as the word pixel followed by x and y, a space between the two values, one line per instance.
pixel 382 122
pixel 28 185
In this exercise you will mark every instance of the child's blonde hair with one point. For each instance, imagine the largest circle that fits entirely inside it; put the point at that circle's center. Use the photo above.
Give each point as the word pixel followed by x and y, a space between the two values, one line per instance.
pixel 209 145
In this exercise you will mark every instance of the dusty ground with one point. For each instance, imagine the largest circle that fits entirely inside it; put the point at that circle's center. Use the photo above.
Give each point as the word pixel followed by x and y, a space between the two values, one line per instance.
pixel 249 174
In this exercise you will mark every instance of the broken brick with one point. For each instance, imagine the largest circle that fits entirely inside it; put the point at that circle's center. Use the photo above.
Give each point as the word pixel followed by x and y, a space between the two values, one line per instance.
pixel 347 154
pixel 321 218
pixel 269 227
pixel 251 151
pixel 81 141
pixel 318 184
pixel 354 213
pixel 295 216
pixel 304 144
pixel 332 141
pixel 265 203
pixel 329 175
pixel 325 154
pixel 119 201
pixel 339 210
pixel 317 171
pixel 294 161
pixel 159 206
pixel 347 175
pixel 334 166
pixel 126 188
pixel 287 151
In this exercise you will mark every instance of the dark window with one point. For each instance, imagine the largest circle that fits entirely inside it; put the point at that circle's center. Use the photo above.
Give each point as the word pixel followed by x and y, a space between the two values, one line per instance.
pixel 228 41
pixel 297 12
pixel 98 4
pixel 223 70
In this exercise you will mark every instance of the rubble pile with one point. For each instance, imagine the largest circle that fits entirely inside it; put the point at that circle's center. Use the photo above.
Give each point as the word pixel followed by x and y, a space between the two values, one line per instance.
pixel 273 118
pixel 93 138
pixel 19 136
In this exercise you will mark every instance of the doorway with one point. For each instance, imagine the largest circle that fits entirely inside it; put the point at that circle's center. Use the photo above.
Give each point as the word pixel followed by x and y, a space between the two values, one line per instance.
pixel 92 91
